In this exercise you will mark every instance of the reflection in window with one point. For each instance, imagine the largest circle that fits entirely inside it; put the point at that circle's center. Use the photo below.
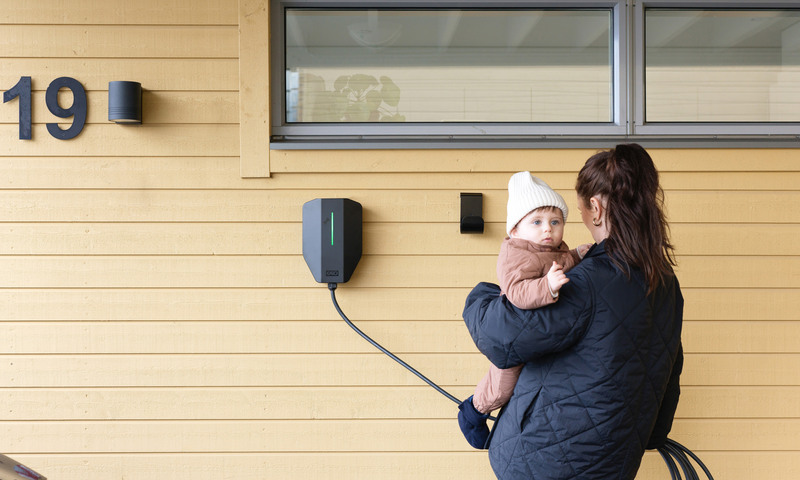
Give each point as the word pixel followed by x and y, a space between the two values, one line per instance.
pixel 448 65
pixel 722 66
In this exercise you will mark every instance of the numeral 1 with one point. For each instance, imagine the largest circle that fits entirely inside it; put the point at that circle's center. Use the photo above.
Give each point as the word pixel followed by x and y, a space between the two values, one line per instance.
pixel 22 90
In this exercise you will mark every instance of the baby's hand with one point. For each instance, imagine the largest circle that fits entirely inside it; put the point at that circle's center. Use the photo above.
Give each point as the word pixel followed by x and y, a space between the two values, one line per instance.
pixel 556 278
pixel 582 249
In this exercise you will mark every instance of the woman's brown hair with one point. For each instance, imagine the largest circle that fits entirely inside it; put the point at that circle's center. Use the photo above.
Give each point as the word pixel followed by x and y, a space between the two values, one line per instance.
pixel 638 233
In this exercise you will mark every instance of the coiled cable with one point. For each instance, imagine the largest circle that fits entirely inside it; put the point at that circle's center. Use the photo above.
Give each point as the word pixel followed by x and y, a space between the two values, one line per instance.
pixel 676 455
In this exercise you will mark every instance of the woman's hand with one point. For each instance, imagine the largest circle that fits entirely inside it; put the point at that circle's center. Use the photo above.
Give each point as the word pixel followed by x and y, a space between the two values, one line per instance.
pixel 556 278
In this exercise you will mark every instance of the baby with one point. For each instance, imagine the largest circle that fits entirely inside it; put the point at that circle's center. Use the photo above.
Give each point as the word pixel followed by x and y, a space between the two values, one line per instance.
pixel 531 270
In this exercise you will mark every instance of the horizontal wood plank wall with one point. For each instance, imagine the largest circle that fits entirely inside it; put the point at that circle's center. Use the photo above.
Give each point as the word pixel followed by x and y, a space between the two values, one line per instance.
pixel 159 320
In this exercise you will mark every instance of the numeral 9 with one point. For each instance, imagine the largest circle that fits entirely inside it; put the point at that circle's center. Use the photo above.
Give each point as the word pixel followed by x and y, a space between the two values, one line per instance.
pixel 76 110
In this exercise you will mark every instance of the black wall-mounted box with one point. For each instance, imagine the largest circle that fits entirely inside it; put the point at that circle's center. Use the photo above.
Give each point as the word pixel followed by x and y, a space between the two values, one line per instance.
pixel 332 238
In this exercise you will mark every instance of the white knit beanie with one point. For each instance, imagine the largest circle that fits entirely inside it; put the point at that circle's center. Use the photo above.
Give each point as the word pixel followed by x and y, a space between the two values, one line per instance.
pixel 527 193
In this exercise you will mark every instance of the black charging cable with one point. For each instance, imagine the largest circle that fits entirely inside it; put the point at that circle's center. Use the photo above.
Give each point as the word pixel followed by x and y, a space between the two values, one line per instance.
pixel 673 453
pixel 676 455
pixel 332 288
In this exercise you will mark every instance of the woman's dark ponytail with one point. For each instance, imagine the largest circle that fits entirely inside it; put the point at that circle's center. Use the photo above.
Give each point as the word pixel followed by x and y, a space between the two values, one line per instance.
pixel 638 231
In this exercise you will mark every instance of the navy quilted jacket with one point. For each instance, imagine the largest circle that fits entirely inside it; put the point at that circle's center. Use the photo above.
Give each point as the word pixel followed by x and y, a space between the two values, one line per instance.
pixel 593 394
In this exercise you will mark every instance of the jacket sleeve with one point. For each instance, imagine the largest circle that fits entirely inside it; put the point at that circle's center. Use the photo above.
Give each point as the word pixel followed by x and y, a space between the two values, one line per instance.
pixel 527 293
pixel 669 404
pixel 510 336
pixel 519 276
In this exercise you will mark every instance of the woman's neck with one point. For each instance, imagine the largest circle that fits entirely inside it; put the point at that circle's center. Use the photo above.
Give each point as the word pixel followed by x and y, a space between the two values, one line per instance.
pixel 600 232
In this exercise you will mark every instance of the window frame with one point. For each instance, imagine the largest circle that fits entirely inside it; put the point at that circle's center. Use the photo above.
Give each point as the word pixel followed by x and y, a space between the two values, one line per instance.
pixel 627 104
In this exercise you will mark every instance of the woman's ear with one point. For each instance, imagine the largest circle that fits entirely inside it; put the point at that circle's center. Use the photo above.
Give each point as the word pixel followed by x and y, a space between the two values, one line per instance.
pixel 597 210
pixel 597 205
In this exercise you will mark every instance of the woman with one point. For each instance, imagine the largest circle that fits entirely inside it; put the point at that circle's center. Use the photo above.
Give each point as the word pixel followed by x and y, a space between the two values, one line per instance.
pixel 599 383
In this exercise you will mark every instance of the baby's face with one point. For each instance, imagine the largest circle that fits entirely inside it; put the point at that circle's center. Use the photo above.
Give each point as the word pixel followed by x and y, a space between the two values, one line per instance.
pixel 543 226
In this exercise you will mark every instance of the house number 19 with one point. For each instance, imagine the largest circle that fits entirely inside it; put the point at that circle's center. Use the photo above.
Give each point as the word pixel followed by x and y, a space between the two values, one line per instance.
pixel 77 110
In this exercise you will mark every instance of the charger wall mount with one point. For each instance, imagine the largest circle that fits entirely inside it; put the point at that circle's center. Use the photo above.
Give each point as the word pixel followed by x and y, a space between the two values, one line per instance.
pixel 332 238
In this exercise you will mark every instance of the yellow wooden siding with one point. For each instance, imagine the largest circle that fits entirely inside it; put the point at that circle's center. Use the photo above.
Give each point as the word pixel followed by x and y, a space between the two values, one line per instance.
pixel 159 320
pixel 254 97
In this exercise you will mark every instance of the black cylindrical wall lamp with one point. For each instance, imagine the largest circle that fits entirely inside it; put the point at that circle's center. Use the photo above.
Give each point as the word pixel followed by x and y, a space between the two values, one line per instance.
pixel 125 102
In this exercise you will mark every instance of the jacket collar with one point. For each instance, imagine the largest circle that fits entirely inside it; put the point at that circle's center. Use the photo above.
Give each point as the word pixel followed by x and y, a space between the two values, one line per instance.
pixel 596 250
pixel 532 247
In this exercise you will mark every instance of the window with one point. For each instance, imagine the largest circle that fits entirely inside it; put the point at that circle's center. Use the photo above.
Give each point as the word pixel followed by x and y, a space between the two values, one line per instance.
pixel 720 70
pixel 531 70
pixel 450 65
